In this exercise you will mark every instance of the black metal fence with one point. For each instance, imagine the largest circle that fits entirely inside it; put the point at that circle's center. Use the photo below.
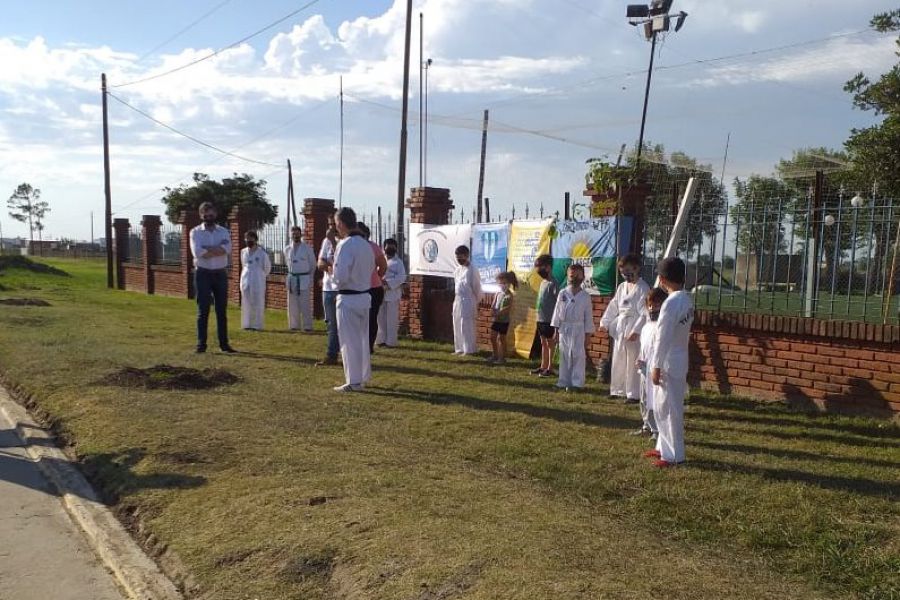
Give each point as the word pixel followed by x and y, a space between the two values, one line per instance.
pixel 168 250
pixel 273 238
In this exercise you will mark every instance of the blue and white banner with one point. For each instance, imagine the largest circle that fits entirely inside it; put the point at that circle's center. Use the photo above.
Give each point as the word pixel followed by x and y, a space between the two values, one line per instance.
pixel 433 248
pixel 490 245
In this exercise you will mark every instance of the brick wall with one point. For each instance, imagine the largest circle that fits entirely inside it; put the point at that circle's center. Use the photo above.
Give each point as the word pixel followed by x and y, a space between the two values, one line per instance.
pixel 131 277
pixel 169 281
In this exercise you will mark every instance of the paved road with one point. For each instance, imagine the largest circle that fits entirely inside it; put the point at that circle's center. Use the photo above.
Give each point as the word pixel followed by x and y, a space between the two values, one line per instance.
pixel 43 555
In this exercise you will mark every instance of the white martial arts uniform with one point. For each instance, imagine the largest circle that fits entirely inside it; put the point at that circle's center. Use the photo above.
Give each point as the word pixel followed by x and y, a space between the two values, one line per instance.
pixel 574 318
pixel 671 356
pixel 645 356
pixel 465 308
pixel 624 316
pixel 389 313
pixel 301 264
pixel 354 262
pixel 255 267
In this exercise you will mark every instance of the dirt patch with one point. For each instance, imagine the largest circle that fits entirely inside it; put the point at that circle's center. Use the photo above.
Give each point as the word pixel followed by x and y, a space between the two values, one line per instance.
pixel 26 264
pixel 24 301
pixel 234 558
pixel 298 570
pixel 166 377
pixel 454 586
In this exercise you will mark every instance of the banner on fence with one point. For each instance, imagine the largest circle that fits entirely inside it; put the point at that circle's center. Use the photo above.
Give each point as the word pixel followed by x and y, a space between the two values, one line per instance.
pixel 527 240
pixel 592 244
pixel 434 248
pixel 490 243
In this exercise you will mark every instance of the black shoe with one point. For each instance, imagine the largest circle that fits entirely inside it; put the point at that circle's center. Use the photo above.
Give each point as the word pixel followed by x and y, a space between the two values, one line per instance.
pixel 631 401
pixel 200 349
pixel 228 350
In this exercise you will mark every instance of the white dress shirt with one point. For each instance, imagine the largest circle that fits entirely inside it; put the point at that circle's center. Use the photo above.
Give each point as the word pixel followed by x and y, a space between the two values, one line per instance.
pixel 203 239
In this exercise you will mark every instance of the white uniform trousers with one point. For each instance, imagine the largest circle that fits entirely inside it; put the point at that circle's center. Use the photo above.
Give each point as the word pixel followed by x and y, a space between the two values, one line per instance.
pixel 388 323
pixel 571 355
pixel 648 416
pixel 253 310
pixel 353 332
pixel 668 400
pixel 299 309
pixel 465 311
pixel 625 379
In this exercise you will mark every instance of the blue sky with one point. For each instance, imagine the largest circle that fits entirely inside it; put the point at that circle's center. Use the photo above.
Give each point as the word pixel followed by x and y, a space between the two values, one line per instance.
pixel 568 69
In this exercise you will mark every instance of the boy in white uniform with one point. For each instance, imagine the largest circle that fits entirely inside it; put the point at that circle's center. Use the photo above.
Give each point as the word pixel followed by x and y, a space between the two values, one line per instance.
pixel 669 364
pixel 389 313
pixel 465 304
pixel 573 318
pixel 301 264
pixel 623 319
pixel 255 268
pixel 648 346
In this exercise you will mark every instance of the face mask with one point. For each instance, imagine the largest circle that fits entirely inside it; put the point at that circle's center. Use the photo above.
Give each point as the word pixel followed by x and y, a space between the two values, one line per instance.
pixel 390 252
pixel 654 315
pixel 575 283
pixel 209 219
pixel 628 276
pixel 462 260
pixel 251 243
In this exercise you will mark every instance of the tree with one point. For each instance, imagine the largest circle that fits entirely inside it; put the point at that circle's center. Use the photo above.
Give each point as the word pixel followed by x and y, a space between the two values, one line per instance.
pixel 240 190
pixel 25 206
pixel 758 214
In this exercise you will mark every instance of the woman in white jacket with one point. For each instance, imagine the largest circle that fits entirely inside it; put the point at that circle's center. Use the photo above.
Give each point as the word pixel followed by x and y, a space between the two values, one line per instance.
pixel 255 268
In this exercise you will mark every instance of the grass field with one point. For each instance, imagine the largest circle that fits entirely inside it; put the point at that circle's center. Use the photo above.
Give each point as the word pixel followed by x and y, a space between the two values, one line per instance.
pixel 856 307
pixel 448 478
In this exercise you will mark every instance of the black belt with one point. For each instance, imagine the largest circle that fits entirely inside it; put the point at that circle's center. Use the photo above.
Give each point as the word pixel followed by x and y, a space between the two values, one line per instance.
pixel 212 270
pixel 352 292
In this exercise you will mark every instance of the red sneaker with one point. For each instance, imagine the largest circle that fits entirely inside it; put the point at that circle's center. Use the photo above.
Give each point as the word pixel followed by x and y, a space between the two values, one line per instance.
pixel 663 464
pixel 652 454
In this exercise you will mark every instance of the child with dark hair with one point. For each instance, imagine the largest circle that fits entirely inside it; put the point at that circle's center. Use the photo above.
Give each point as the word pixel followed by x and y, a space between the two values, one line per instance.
pixel 574 322
pixel 669 364
pixel 501 308
pixel 467 282
pixel 546 305
pixel 624 317
pixel 655 299
pixel 255 268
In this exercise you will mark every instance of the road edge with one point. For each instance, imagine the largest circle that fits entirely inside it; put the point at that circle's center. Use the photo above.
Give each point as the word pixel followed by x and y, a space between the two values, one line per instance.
pixel 135 572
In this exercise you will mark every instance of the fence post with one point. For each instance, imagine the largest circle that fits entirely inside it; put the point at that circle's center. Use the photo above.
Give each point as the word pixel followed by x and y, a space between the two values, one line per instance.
pixel 150 241
pixel 317 214
pixel 430 206
pixel 188 219
pixel 238 225
pixel 122 228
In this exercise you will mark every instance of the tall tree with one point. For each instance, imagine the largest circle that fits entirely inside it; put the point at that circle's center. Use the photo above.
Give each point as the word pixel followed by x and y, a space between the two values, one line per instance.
pixel 240 190
pixel 25 205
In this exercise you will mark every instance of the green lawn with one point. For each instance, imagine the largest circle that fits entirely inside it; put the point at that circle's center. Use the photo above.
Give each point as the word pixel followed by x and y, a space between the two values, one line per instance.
pixel 448 478
pixel 856 307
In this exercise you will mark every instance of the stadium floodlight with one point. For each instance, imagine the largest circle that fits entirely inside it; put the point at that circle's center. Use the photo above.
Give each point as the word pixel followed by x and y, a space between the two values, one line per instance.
pixel 660 7
pixel 679 23
pixel 637 11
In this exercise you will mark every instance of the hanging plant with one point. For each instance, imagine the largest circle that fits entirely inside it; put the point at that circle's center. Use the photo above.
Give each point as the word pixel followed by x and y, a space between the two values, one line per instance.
pixel 606 178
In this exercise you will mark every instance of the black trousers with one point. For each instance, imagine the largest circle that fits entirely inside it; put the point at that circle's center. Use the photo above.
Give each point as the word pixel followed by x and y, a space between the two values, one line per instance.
pixel 377 295
pixel 211 287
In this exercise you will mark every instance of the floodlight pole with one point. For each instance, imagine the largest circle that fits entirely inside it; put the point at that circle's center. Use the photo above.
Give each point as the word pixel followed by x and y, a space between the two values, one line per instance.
pixel 640 147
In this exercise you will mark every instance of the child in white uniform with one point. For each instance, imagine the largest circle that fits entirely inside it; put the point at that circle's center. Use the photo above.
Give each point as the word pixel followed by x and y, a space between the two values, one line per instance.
pixel 465 305
pixel 573 318
pixel 648 346
pixel 255 268
pixel 389 313
pixel 623 319
pixel 669 364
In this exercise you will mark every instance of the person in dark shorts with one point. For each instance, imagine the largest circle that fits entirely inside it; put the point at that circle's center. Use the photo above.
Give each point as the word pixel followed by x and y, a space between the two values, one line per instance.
pixel 546 304
pixel 501 309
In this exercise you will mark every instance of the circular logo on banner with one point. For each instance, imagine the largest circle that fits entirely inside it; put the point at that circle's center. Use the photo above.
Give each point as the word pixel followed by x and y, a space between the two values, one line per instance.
pixel 430 251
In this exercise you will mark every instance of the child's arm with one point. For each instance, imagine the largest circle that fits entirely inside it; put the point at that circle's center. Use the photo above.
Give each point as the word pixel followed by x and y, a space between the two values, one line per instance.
pixel 475 282
pixel 612 311
pixel 588 317
pixel 665 335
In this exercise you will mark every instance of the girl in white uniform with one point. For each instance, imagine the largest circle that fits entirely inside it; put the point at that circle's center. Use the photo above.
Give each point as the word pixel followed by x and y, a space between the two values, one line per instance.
pixel 645 357
pixel 255 268
pixel 465 305
pixel 623 319
pixel 669 364
pixel 573 318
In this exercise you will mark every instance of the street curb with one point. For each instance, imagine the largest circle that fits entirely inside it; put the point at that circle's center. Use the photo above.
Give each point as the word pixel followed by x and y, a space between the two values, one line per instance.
pixel 134 571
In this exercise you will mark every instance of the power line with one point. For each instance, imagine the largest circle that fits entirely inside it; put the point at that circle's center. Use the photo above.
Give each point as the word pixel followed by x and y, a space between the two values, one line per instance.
pixel 220 50
pixel 183 30
pixel 188 136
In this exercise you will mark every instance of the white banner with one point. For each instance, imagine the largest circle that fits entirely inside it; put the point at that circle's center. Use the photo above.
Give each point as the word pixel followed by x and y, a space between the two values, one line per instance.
pixel 433 248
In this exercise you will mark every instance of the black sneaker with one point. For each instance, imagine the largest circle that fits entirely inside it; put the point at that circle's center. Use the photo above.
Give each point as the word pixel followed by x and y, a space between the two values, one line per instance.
pixel 547 373
pixel 200 349
pixel 228 350
pixel 537 371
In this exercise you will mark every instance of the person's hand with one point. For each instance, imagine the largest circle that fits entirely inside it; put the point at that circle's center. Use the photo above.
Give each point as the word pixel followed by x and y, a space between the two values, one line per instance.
pixel 632 337
pixel 556 337
pixel 657 376
pixel 639 364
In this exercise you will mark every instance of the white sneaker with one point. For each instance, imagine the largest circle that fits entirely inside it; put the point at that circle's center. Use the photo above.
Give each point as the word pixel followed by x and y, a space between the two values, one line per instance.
pixel 348 388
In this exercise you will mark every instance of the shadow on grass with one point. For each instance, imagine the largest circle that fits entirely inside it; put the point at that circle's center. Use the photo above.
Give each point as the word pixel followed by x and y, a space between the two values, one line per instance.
pixel 114 472
pixel 9 438
pixel 547 386
pixel 797 454
pixel 278 357
pixel 853 485
pixel 806 435
pixel 531 410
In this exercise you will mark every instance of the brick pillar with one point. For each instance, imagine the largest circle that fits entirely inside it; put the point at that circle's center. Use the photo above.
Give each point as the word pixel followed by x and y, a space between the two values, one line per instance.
pixel 429 206
pixel 239 224
pixel 317 214
pixel 121 227
pixel 150 244
pixel 188 219
pixel 633 203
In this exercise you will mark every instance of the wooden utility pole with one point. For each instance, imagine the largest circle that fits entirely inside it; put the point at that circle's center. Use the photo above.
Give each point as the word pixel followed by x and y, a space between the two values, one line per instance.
pixel 109 243
pixel 341 180
pixel 484 130
pixel 421 96
pixel 567 207
pixel 487 210
pixel 401 177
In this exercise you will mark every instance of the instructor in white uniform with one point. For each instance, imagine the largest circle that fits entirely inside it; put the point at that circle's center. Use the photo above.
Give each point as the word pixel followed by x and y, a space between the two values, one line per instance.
pixel 301 264
pixel 354 263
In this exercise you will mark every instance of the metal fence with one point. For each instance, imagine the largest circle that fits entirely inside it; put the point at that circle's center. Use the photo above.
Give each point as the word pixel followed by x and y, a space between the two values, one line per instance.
pixel 168 250
pixel 788 256
pixel 135 248
pixel 273 238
